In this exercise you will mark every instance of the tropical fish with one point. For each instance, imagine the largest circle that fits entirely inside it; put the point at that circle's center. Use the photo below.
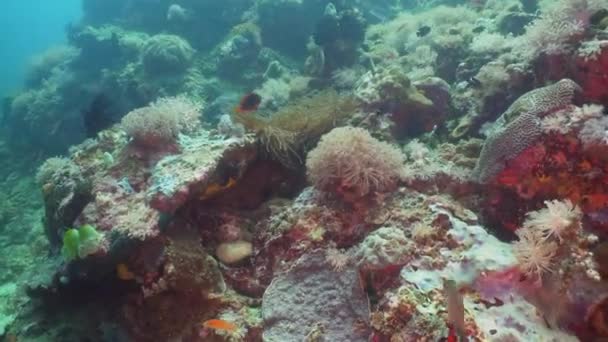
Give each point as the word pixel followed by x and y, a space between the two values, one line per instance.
pixel 123 272
pixel 219 324
pixel 474 82
pixel 423 31
pixel 479 29
pixel 214 189
pixel 249 103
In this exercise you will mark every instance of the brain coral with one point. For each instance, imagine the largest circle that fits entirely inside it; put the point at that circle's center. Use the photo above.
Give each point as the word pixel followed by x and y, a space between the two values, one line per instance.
pixel 384 247
pixel 520 127
pixel 165 53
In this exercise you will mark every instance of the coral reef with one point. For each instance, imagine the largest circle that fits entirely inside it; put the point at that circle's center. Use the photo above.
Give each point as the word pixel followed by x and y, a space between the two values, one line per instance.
pixel 166 53
pixel 519 127
pixel 405 171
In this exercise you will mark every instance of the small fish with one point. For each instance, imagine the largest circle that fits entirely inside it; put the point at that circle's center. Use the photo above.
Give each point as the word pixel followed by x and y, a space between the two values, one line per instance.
pixel 123 272
pixel 214 189
pixel 479 29
pixel 249 103
pixel 423 31
pixel 220 324
pixel 474 82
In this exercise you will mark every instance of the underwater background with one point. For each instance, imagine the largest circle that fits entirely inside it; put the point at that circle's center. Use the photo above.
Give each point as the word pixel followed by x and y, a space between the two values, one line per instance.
pixel 304 170
pixel 29 28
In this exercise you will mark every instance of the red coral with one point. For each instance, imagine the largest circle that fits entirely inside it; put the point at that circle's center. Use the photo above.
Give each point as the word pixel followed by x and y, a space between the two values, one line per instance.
pixel 592 74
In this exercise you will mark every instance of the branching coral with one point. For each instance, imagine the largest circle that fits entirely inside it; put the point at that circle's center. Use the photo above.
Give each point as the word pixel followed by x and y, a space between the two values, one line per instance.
pixel 556 30
pixel 351 160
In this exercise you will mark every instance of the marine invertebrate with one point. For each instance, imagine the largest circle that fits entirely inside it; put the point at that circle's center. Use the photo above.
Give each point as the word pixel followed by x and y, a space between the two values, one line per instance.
pixel 42 66
pixel 162 120
pixel 293 128
pixel 350 160
pixel 535 255
pixel 519 127
pixel 65 191
pixel 594 132
pixel 81 242
pixel 558 219
pixel 338 35
pixel 165 53
pixel 558 27
pixel 384 247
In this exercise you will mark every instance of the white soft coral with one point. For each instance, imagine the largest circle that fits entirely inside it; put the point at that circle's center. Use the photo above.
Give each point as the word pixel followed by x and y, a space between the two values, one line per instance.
pixel 556 220
pixel 534 254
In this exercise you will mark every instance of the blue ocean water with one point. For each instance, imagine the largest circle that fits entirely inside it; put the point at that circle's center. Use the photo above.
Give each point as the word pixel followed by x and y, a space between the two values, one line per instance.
pixel 29 27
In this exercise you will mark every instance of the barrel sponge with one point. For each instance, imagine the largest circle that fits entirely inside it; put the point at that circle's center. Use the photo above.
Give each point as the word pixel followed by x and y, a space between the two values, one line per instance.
pixel 164 53
pixel 519 127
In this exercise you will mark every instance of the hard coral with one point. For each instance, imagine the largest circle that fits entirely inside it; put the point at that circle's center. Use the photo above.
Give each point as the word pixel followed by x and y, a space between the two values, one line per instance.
pixel 165 53
pixel 350 160
pixel 556 30
pixel 519 127
pixel 65 191
pixel 387 246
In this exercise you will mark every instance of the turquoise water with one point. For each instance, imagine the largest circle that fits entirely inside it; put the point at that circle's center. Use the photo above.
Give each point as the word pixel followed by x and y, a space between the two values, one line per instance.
pixel 30 27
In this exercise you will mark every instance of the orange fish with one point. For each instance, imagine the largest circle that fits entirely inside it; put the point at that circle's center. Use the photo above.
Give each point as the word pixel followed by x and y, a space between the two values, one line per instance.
pixel 249 103
pixel 220 324
pixel 123 272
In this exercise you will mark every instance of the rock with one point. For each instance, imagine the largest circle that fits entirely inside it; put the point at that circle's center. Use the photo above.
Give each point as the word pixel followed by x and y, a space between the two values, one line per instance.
pixel 313 299
pixel 233 252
